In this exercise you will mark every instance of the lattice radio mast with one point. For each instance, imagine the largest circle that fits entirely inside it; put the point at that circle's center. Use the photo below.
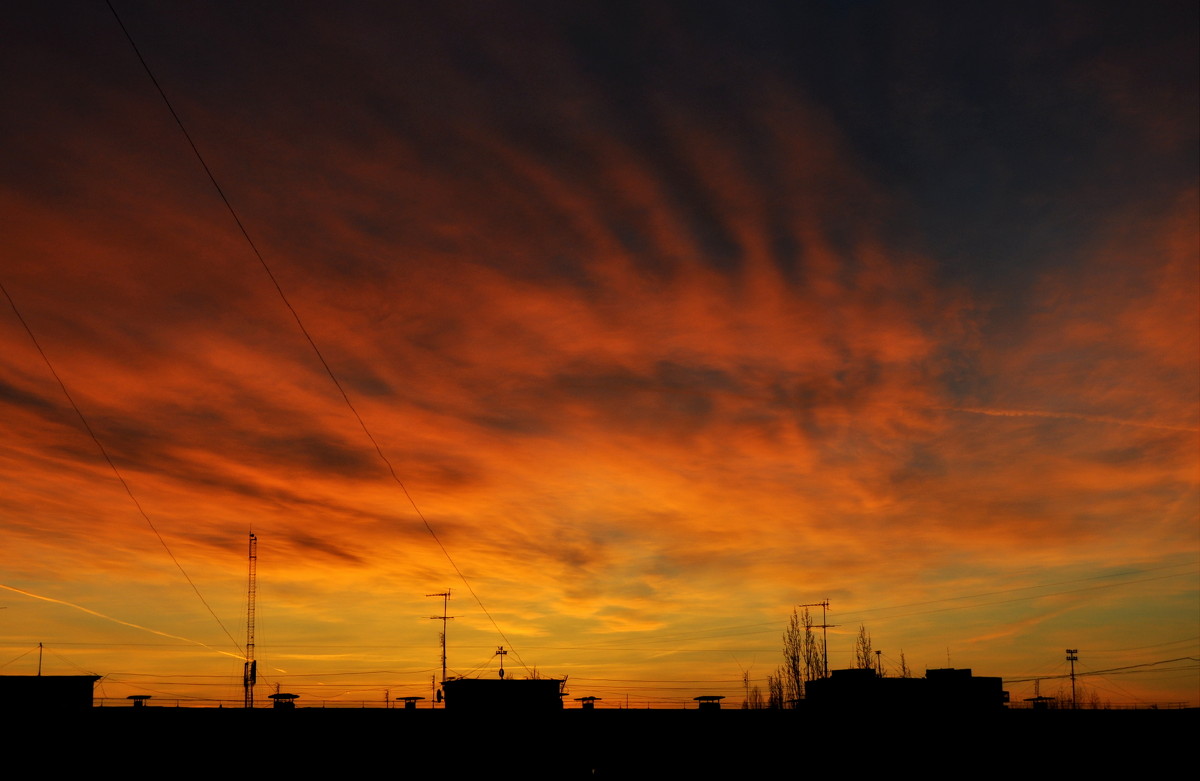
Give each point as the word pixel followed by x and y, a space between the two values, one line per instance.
pixel 250 670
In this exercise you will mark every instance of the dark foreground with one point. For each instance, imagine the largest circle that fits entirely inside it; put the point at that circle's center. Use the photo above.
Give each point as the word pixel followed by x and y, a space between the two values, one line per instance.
pixel 576 744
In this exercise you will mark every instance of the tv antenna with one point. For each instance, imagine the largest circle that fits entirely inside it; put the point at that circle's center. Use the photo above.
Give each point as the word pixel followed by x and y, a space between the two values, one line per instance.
pixel 445 595
pixel 825 625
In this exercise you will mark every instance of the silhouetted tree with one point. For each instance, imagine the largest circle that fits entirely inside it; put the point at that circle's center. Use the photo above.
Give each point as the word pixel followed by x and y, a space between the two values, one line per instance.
pixel 1086 698
pixel 754 698
pixel 905 672
pixel 775 689
pixel 793 657
pixel 802 657
pixel 863 657
pixel 814 657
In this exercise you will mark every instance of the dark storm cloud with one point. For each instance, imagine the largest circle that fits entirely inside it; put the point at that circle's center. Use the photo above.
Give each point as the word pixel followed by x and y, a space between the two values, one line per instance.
pixel 994 118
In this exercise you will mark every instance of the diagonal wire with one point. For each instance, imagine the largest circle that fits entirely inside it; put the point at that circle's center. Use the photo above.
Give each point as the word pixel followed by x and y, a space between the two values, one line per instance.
pixel 308 337
pixel 104 452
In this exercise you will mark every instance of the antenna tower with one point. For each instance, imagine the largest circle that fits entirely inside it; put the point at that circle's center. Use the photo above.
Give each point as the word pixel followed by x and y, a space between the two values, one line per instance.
pixel 825 625
pixel 250 669
pixel 445 595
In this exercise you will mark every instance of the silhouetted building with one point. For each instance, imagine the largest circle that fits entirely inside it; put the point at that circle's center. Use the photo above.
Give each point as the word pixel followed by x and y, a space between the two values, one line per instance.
pixel 710 701
pixel 959 689
pixel 48 692
pixel 947 690
pixel 500 694
pixel 284 701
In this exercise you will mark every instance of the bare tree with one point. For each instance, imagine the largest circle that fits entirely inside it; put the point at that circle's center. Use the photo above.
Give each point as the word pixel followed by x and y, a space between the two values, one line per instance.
pixel 803 660
pixel 905 672
pixel 1085 698
pixel 775 689
pixel 814 657
pixel 793 657
pixel 754 698
pixel 863 656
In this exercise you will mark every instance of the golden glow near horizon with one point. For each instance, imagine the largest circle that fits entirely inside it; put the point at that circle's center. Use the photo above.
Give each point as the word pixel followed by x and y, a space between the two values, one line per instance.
pixel 657 363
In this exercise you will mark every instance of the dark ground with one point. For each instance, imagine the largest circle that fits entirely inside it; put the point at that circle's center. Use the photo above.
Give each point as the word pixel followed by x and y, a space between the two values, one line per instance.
pixel 576 744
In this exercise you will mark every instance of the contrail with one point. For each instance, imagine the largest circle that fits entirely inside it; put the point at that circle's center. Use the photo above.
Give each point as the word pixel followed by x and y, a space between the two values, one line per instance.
pixel 1021 413
pixel 117 620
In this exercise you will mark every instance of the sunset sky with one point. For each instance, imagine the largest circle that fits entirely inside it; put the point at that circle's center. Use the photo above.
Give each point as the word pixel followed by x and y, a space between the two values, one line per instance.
pixel 668 315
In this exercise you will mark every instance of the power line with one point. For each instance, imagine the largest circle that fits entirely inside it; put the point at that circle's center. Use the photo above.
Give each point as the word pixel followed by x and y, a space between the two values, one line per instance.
pixel 104 452
pixel 1125 670
pixel 304 330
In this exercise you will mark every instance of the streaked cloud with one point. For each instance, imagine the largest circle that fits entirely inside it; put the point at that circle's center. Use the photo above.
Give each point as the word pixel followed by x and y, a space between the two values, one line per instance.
pixel 661 331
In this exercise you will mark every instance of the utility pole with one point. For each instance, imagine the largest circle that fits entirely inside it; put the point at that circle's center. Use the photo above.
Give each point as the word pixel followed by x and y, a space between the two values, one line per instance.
pixel 1073 657
pixel 250 669
pixel 879 663
pixel 501 653
pixel 445 595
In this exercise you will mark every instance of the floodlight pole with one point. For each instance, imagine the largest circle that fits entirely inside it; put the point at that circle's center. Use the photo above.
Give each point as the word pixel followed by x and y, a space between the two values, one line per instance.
pixel 1073 657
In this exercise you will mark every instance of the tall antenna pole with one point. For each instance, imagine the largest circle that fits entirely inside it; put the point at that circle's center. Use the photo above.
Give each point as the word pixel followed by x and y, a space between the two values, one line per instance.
pixel 825 626
pixel 445 595
pixel 250 669
pixel 825 636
